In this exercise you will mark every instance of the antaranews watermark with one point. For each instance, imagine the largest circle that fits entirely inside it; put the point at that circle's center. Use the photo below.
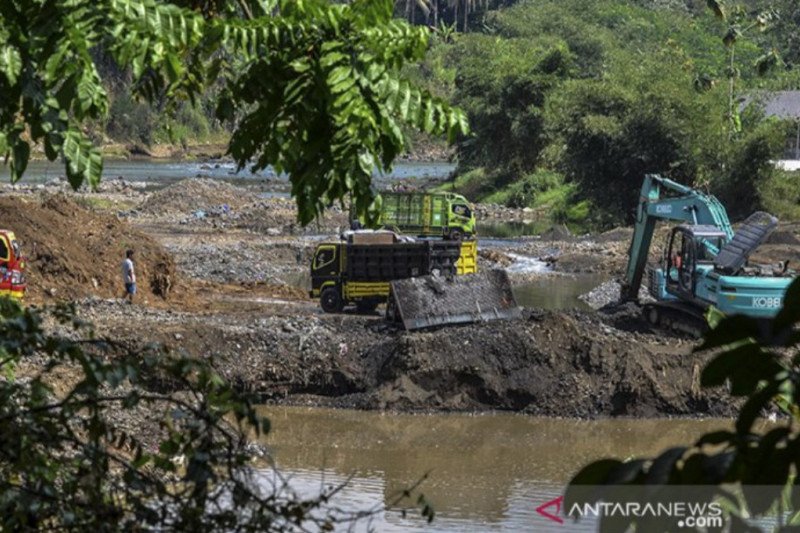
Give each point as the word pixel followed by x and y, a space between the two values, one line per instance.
pixel 648 507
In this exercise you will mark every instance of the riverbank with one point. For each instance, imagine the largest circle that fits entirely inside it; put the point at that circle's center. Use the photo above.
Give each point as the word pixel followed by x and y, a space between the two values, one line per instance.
pixel 223 271
pixel 423 149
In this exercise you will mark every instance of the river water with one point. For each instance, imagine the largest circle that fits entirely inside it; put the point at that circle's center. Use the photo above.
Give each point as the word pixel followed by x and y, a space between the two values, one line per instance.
pixel 164 171
pixel 485 472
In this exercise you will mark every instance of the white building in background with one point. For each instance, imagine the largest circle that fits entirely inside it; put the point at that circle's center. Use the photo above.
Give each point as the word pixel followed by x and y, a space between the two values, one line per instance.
pixel 786 106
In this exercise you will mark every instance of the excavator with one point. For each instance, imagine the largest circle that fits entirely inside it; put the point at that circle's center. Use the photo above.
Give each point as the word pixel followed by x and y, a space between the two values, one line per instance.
pixel 704 262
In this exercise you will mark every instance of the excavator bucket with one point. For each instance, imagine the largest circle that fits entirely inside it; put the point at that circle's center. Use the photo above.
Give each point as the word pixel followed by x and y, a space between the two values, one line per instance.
pixel 428 301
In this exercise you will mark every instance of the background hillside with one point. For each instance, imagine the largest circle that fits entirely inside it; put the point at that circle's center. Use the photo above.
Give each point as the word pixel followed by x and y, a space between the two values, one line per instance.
pixel 570 103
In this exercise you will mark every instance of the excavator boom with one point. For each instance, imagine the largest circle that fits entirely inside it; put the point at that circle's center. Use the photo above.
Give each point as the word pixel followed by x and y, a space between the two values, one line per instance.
pixel 683 205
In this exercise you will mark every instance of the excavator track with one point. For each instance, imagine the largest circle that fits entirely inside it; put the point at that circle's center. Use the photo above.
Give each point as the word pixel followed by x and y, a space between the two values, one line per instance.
pixel 676 316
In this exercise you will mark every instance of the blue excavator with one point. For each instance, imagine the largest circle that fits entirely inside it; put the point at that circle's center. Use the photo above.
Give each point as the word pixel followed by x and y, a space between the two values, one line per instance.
pixel 704 262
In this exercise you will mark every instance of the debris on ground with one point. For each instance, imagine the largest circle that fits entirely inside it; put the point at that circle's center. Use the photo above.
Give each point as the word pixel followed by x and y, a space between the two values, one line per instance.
pixel 197 195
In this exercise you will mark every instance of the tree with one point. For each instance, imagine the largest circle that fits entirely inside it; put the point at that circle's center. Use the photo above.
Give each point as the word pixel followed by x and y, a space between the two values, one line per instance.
pixel 740 23
pixel 115 448
pixel 758 361
pixel 312 88
pixel 502 86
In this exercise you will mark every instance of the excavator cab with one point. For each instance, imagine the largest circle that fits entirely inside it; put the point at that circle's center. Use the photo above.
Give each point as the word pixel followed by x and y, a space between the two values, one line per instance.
pixel 690 253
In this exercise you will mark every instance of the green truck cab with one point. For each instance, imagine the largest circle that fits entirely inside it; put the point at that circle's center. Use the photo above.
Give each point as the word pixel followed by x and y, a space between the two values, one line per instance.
pixel 428 214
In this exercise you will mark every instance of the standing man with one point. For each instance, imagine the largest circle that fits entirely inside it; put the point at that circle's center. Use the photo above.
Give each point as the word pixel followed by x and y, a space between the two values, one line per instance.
pixel 129 276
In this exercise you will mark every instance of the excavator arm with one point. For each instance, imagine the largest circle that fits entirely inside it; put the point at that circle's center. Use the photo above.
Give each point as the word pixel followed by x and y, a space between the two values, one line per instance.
pixel 683 205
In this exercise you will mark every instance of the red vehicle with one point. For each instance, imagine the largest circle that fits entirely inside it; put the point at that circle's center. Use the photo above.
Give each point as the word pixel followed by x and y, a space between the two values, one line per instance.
pixel 12 266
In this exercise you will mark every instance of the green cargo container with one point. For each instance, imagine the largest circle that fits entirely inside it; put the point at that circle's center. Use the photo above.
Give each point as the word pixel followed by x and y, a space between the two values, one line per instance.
pixel 428 214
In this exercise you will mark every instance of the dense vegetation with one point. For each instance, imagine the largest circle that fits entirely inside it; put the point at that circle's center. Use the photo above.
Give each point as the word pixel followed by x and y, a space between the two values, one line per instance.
pixel 570 103
pixel 313 89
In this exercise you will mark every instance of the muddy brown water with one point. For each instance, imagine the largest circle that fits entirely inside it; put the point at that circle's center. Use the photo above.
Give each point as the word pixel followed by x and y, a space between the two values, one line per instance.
pixel 557 291
pixel 485 473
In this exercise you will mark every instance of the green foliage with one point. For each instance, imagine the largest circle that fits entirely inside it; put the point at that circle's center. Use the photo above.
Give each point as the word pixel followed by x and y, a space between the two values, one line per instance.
pixel 66 463
pixel 604 92
pixel 751 169
pixel 130 120
pixel 527 191
pixel 781 195
pixel 313 88
pixel 90 440
pixel 758 361
pixel 473 184
pixel 502 84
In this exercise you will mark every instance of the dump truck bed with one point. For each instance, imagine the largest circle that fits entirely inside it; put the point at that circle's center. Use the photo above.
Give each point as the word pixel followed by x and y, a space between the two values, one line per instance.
pixel 386 262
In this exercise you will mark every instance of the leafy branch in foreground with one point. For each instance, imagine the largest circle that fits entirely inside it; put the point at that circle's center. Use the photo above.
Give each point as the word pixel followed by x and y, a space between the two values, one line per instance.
pixel 89 440
pixel 313 88
pixel 754 473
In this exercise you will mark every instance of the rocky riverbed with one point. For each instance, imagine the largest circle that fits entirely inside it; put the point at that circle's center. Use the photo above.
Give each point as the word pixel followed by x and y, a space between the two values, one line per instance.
pixel 224 271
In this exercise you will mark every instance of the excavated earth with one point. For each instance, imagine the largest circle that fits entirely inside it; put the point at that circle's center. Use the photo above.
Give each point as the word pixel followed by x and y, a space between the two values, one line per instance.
pixel 555 363
pixel 225 278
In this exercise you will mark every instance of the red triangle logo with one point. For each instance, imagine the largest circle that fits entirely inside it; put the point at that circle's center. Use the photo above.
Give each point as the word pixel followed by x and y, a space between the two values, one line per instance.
pixel 554 515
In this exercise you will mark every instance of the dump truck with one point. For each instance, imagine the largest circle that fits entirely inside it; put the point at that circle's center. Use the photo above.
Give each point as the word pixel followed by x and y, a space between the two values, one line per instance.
pixel 428 214
pixel 12 266
pixel 358 271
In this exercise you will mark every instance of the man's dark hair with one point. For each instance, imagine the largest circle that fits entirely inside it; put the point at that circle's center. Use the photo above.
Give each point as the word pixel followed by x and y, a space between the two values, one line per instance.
pixel 129 254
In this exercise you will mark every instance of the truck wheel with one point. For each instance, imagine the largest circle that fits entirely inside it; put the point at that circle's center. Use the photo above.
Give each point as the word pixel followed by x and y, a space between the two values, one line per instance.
pixel 331 300
pixel 455 235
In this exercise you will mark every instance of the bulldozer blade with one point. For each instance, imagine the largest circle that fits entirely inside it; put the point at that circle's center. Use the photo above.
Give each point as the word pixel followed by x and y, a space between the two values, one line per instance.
pixel 428 301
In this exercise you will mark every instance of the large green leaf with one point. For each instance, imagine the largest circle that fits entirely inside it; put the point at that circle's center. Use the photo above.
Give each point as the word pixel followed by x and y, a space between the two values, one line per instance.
pixel 745 366
pixel 21 152
pixel 10 63
pixel 83 162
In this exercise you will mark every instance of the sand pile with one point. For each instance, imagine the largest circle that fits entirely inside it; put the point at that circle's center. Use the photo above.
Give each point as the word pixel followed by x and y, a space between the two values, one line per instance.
pixel 74 253
pixel 192 195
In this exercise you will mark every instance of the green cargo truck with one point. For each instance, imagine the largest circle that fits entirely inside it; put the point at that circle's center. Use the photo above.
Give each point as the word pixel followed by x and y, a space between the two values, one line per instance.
pixel 428 214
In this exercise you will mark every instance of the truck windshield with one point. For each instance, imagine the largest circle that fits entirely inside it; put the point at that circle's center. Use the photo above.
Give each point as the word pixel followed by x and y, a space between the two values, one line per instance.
pixel 324 256
pixel 462 210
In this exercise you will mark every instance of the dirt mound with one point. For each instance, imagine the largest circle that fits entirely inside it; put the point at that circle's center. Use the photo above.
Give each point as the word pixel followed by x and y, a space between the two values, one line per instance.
pixel 276 216
pixel 74 253
pixel 193 195
pixel 783 237
pixel 571 364
pixel 559 364
pixel 615 235
pixel 558 232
